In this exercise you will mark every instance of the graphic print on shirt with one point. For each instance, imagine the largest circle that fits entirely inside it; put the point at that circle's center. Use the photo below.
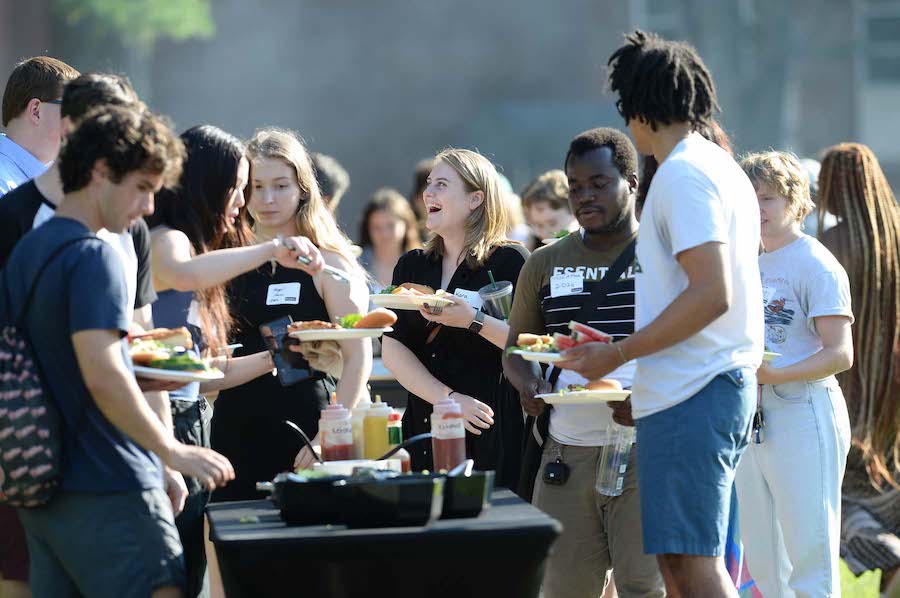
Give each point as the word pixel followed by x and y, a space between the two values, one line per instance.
pixel 778 314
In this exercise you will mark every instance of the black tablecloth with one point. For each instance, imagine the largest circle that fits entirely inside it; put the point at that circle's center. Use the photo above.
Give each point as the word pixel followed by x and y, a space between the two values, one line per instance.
pixel 499 554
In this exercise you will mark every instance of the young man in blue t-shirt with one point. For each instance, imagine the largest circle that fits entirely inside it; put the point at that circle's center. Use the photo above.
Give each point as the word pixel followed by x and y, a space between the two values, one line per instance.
pixel 109 531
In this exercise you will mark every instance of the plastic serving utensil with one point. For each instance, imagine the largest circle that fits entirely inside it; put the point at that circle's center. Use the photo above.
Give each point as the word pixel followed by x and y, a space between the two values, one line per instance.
pixel 404 444
pixel 335 273
pixel 464 468
pixel 305 438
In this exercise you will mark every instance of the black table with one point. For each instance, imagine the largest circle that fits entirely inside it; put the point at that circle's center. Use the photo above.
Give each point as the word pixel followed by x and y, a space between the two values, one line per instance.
pixel 499 554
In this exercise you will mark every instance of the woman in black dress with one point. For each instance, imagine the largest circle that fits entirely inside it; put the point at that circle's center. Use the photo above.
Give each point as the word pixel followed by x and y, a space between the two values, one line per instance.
pixel 248 423
pixel 455 353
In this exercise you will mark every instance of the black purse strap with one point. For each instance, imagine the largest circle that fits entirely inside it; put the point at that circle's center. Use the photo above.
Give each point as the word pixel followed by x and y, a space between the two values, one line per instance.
pixel 606 285
pixel 29 297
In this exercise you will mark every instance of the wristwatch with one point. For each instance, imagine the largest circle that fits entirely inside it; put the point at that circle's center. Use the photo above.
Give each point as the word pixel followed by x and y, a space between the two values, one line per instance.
pixel 478 323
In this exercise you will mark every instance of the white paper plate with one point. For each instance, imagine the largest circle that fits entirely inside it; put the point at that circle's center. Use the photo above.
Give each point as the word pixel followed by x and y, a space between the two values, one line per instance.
pixel 343 334
pixel 550 241
pixel 408 302
pixel 176 375
pixel 770 355
pixel 538 356
pixel 584 397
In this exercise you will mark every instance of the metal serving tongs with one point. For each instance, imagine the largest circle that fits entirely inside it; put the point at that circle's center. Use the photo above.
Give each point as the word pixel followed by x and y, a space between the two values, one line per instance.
pixel 338 275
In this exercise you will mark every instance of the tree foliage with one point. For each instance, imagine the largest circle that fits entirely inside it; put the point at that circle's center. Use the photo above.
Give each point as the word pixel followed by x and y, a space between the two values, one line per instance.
pixel 139 23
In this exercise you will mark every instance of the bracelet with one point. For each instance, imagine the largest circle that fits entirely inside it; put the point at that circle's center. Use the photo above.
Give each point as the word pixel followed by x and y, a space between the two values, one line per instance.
pixel 621 353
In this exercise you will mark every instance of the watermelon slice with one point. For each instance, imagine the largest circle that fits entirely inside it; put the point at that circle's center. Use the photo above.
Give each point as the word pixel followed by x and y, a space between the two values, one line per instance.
pixel 582 333
pixel 564 341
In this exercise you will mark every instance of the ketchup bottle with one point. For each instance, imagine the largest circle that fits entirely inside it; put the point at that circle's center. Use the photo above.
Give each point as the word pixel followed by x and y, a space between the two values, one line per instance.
pixel 336 432
pixel 448 435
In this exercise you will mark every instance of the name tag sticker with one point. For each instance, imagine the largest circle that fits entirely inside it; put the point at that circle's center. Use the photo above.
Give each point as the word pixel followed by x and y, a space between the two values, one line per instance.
pixel 283 294
pixel 471 297
pixel 569 283
pixel 193 317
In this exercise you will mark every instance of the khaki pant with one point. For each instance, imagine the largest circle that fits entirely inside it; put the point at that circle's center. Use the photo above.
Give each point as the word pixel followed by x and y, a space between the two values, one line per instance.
pixel 599 532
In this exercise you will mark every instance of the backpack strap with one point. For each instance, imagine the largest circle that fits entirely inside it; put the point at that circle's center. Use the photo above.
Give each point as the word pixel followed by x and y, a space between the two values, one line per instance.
pixel 606 285
pixel 29 298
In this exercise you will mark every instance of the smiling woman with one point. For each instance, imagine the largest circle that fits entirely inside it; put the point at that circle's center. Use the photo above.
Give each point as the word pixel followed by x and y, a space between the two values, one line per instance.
pixel 427 351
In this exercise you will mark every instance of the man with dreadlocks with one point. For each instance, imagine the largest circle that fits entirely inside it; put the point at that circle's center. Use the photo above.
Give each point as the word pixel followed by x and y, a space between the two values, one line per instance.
pixel 866 242
pixel 699 337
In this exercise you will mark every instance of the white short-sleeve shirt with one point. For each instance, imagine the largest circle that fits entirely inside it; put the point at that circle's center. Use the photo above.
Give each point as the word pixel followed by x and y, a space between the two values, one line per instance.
pixel 699 195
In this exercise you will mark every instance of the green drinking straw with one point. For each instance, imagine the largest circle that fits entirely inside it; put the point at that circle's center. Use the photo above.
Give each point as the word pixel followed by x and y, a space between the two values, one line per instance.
pixel 493 282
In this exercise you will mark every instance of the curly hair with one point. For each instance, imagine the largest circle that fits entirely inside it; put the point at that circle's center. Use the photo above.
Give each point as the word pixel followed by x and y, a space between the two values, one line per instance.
pixel 126 140
pixel 551 187
pixel 624 155
pixel 90 90
pixel 782 173
pixel 661 81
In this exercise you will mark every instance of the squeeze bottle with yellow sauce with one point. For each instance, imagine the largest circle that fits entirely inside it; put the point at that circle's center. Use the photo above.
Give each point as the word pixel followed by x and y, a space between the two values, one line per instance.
pixel 375 429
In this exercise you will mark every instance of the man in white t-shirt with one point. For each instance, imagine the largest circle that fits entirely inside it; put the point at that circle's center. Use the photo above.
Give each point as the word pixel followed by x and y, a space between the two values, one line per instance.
pixel 699 329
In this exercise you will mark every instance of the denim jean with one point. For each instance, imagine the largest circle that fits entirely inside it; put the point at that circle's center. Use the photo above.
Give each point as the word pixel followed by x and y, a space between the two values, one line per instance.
pixel 789 490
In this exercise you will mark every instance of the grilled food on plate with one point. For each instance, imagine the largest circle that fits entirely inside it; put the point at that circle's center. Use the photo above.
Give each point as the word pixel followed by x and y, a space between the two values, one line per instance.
pixel 378 318
pixel 165 349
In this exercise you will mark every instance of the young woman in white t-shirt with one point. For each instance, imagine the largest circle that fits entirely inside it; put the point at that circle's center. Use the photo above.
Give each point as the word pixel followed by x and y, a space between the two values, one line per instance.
pixel 789 479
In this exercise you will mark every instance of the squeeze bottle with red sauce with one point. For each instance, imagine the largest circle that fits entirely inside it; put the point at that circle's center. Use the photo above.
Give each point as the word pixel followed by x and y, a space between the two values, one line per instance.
pixel 395 437
pixel 336 432
pixel 448 435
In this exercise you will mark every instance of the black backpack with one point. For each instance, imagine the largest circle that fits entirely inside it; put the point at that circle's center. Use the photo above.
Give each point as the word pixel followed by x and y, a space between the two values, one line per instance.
pixel 30 443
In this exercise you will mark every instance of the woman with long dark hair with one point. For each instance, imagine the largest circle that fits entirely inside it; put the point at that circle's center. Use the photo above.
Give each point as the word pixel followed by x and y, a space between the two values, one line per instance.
pixel 197 246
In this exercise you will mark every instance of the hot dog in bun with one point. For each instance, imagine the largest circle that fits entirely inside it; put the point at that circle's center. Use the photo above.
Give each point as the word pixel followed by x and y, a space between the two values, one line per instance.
pixel 604 384
pixel 379 318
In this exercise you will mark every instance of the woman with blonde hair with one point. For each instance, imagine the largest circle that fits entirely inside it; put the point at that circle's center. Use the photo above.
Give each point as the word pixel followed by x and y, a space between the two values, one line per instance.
pixel 457 353
pixel 248 424
pixel 389 229
pixel 789 479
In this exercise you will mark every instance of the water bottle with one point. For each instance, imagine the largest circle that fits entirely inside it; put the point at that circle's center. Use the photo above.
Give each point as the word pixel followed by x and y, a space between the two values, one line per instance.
pixel 614 460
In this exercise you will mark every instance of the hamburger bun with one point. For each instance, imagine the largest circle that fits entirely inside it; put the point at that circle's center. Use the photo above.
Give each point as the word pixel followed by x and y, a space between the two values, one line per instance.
pixel 379 318
pixel 311 325
pixel 424 289
pixel 176 337
pixel 604 384
pixel 144 356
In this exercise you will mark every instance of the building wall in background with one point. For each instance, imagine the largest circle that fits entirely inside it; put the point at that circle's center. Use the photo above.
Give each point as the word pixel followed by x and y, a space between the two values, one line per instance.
pixel 380 85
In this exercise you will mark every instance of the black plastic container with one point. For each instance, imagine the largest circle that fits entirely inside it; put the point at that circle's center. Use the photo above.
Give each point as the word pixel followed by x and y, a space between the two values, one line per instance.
pixel 467 496
pixel 388 502
pixel 306 501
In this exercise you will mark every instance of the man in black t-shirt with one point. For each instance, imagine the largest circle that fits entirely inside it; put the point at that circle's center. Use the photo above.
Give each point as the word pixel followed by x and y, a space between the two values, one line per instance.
pixel 25 208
